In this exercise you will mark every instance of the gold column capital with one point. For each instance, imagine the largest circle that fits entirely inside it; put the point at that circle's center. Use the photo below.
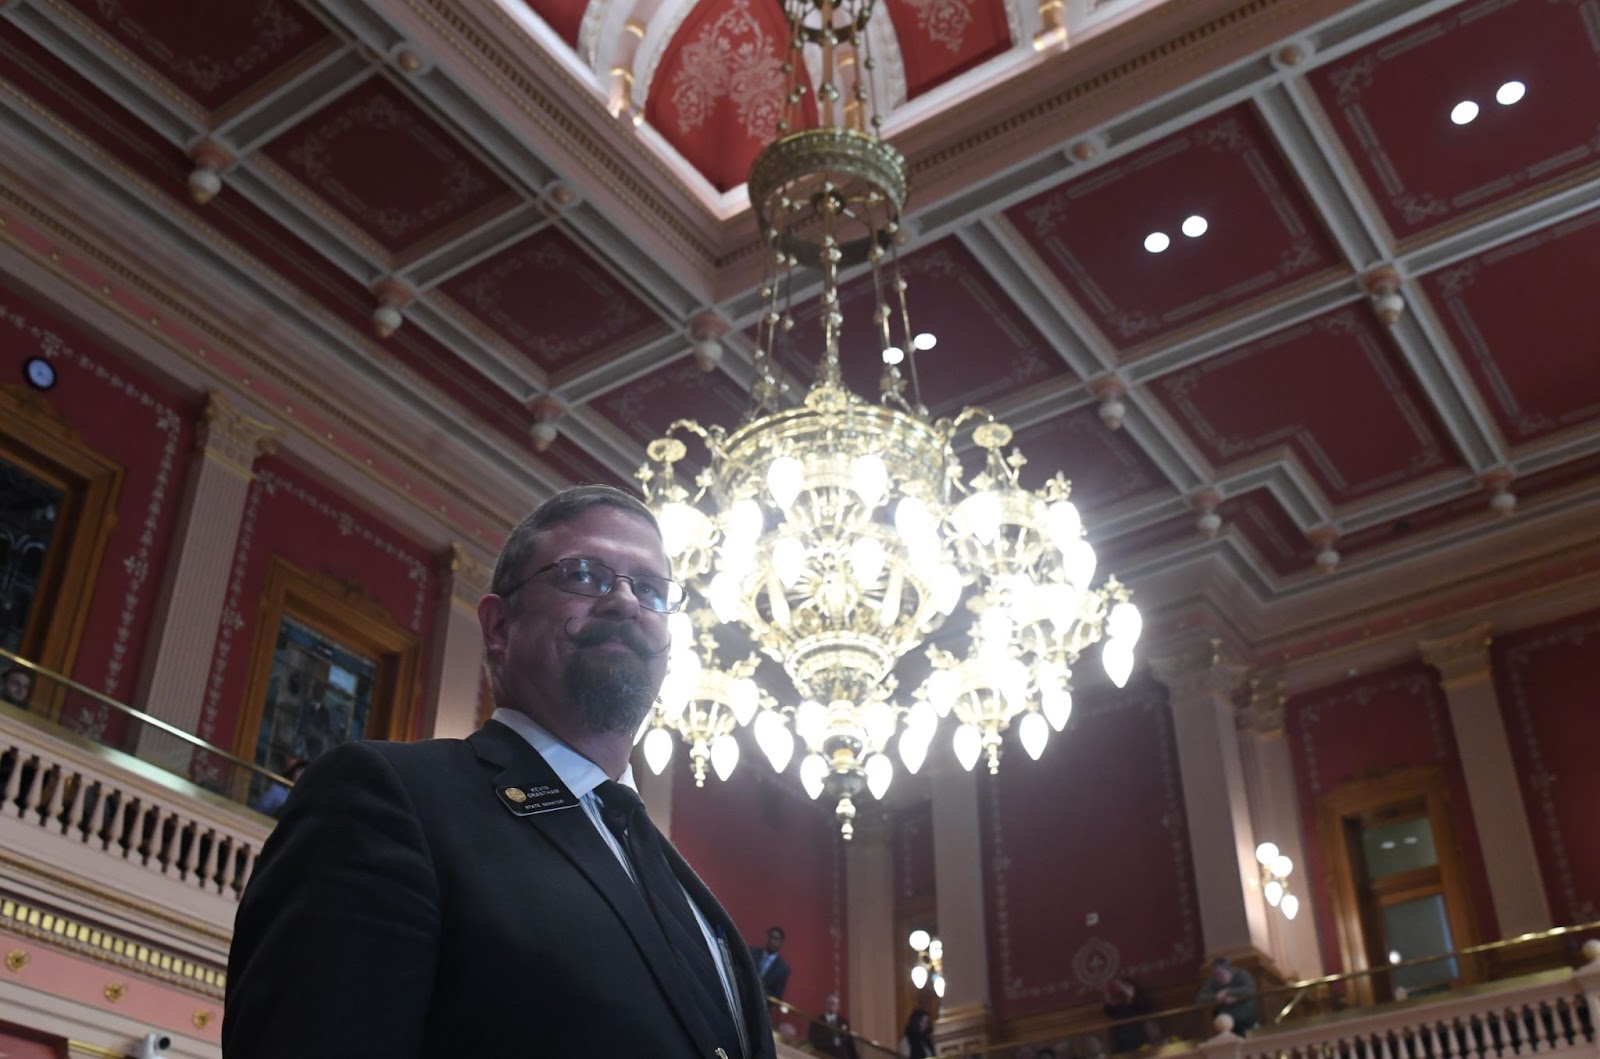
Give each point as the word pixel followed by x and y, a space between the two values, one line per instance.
pixel 1197 670
pixel 1261 714
pixel 464 576
pixel 232 438
pixel 1460 656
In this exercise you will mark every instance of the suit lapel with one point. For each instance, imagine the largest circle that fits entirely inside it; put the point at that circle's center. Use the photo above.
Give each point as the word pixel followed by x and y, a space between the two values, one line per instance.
pixel 511 762
pixel 752 996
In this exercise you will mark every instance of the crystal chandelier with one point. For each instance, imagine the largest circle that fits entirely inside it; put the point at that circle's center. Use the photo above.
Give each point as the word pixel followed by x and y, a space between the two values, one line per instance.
pixel 838 534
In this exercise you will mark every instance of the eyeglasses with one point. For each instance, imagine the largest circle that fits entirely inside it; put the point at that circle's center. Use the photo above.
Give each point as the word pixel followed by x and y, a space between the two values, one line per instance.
pixel 591 577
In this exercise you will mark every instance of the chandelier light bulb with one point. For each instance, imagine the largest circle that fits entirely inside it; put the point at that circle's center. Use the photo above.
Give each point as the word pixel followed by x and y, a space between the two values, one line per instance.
pixel 870 478
pixel 995 626
pixel 1290 906
pixel 866 559
pixel 723 594
pixel 1464 112
pixel 1064 523
pixel 1282 865
pixel 935 949
pixel 1125 623
pixel 893 355
pixel 916 526
pixel 1117 658
pixel 1266 853
pixel 938 985
pixel 1034 731
pixel 658 749
pixel 919 976
pixel 880 773
pixel 746 697
pixel 813 770
pixel 920 939
pixel 925 341
pixel 744 521
pixel 774 739
pixel 880 723
pixel 943 686
pixel 811 722
pixel 1080 561
pixel 978 516
pixel 1509 93
pixel 914 749
pixel 785 475
pixel 683 528
pixel 789 560
pixel 1273 892
pixel 1156 242
pixel 724 755
pixel 968 744
pixel 1057 706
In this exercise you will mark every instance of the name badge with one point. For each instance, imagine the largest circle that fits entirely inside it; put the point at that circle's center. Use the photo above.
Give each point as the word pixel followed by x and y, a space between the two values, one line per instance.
pixel 536 799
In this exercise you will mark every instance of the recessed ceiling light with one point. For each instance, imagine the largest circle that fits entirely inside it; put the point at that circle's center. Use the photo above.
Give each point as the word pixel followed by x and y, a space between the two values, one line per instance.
pixel 1194 227
pixel 1510 92
pixel 1156 242
pixel 893 355
pixel 926 340
pixel 1464 112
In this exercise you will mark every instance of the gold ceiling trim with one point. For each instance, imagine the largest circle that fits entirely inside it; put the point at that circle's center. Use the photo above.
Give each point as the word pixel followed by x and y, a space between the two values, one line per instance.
pixel 78 887
pixel 80 938
pixel 222 340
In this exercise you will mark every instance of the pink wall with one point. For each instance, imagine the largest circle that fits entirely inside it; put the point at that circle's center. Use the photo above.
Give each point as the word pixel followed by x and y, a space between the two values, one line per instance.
pixel 17 1042
pixel 1545 678
pixel 773 858
pixel 1362 728
pixel 138 422
pixel 1096 826
pixel 290 515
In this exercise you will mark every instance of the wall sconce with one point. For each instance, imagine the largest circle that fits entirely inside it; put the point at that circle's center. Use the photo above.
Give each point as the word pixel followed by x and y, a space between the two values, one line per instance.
pixel 1275 869
pixel 930 961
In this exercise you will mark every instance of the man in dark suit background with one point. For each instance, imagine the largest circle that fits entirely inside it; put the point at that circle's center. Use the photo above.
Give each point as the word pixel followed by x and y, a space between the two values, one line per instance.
pixel 830 1033
pixel 773 969
pixel 503 894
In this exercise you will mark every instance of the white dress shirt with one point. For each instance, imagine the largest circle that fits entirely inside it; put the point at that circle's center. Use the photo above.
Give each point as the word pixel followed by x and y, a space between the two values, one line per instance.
pixel 581 776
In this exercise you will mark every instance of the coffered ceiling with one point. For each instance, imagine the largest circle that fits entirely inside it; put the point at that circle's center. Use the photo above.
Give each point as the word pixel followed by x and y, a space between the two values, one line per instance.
pixel 1387 320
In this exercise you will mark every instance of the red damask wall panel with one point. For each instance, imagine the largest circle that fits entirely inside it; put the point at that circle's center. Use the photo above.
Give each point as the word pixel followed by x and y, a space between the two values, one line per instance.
pixel 1545 679
pixel 290 515
pixel 773 858
pixel 139 423
pixel 1364 727
pixel 1094 829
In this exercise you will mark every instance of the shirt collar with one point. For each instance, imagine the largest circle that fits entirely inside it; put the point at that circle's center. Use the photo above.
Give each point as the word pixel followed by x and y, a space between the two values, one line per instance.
pixel 576 772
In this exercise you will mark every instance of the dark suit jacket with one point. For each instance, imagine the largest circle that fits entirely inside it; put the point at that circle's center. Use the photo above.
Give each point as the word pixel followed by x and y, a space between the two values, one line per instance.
pixel 832 1038
pixel 402 910
pixel 776 977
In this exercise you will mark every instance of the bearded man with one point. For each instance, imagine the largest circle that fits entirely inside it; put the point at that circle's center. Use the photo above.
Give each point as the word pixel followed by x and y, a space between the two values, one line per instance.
pixel 504 894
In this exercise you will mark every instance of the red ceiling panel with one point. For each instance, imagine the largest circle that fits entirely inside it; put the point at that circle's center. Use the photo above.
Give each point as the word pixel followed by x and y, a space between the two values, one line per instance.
pixel 582 469
pixel 1493 304
pixel 1105 466
pixel 1261 232
pixel 1332 390
pixel 645 407
pixel 719 92
pixel 563 16
pixel 547 297
pixel 1391 103
pixel 212 52
pixel 102 120
pixel 942 38
pixel 378 159
pixel 986 348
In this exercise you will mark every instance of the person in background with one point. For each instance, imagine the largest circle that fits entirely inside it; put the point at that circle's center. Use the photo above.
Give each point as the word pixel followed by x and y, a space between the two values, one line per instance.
pixel 774 970
pixel 1125 1003
pixel 16 687
pixel 270 802
pixel 830 1034
pixel 1231 991
pixel 917 1040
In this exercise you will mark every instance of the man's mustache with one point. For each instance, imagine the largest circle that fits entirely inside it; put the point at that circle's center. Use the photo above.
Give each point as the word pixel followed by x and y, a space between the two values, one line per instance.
pixel 606 630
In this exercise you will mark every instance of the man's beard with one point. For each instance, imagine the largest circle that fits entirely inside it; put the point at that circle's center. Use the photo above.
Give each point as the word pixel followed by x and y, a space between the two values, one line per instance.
pixel 612 691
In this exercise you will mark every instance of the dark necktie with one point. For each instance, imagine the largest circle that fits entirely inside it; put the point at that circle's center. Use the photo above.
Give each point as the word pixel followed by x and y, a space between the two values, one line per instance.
pixel 624 814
